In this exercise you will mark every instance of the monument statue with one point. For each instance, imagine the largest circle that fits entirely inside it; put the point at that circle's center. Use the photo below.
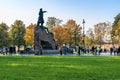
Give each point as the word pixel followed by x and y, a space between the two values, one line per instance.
pixel 42 37
pixel 41 19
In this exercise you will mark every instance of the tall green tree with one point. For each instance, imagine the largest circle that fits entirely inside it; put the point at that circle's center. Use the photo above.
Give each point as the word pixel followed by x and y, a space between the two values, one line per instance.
pixel 115 29
pixel 116 37
pixel 115 24
pixel 4 40
pixel 17 33
pixel 52 22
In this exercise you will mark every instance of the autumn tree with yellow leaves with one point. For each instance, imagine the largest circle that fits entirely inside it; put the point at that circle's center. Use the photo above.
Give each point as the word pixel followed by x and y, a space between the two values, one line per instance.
pixel 73 33
pixel 58 34
pixel 70 33
pixel 29 35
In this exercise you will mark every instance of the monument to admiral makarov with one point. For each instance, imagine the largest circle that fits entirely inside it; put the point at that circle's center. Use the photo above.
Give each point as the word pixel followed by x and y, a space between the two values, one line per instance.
pixel 43 39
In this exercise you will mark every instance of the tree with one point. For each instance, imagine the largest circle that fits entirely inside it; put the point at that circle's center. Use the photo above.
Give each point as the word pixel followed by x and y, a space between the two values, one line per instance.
pixel 115 29
pixel 4 40
pixel 115 24
pixel 90 34
pixel 72 33
pixel 117 33
pixel 100 30
pixel 58 32
pixel 52 22
pixel 107 35
pixel 29 34
pixel 17 33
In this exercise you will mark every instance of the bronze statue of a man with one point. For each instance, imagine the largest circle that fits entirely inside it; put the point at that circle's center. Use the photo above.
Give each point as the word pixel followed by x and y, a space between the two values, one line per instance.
pixel 41 19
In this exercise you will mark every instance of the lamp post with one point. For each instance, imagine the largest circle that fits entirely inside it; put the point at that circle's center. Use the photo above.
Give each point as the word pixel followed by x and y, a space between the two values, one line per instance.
pixel 83 41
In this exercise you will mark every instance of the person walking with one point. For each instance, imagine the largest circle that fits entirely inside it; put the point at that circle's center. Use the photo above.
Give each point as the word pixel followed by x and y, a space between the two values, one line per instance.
pixel 4 51
pixel 114 50
pixel 60 49
pixel 79 50
pixel 111 50
pixel 64 49
pixel 98 50
pixel 88 49
pixel 95 51
pixel 118 51
pixel 92 49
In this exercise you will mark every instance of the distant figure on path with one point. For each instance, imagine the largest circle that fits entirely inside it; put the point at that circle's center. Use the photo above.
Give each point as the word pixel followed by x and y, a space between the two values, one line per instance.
pixel 64 49
pixel 114 50
pixel 98 50
pixel 111 50
pixel 4 51
pixel 79 50
pixel 118 52
pixel 60 49
pixel 92 49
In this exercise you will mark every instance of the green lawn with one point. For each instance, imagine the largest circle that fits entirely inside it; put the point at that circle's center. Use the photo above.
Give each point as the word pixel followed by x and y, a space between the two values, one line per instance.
pixel 59 68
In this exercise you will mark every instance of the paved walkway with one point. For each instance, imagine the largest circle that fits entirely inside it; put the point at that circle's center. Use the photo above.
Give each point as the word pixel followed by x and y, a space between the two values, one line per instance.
pixel 102 54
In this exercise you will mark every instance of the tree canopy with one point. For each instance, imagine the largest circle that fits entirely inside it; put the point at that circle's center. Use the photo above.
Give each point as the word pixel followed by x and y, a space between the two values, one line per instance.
pixel 29 34
pixel 70 33
pixel 17 33
pixel 52 22
pixel 4 34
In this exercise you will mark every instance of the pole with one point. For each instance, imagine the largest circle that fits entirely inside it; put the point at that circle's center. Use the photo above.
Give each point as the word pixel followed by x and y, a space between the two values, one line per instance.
pixel 83 36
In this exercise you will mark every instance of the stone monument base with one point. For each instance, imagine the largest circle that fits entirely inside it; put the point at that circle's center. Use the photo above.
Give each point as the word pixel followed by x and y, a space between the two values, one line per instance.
pixel 43 40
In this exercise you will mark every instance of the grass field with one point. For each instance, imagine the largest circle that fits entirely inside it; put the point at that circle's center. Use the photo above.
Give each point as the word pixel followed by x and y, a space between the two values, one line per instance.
pixel 59 68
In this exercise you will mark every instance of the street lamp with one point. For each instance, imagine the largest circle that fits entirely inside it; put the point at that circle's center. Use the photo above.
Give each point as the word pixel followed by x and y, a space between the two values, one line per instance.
pixel 83 35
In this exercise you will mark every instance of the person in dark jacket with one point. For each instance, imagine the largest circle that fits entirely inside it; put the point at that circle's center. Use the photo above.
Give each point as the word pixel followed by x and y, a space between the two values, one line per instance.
pixel 79 50
pixel 92 50
pixel 64 49
pixel 118 51
pixel 111 50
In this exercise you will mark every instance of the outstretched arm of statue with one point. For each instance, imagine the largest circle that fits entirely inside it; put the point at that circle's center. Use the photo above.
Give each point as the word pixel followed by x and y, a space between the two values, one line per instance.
pixel 44 11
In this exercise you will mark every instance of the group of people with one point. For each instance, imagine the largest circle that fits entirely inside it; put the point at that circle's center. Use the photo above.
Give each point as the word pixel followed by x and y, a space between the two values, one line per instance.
pixel 115 50
pixel 6 50
pixel 93 50
pixel 63 49
pixel 98 50
pixel 78 50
